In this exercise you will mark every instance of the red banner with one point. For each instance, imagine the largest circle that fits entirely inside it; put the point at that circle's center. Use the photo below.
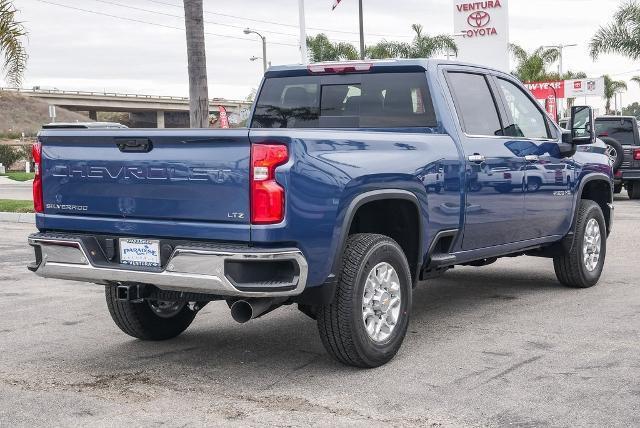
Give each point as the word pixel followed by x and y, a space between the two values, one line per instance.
pixel 224 119
pixel 551 105
pixel 544 90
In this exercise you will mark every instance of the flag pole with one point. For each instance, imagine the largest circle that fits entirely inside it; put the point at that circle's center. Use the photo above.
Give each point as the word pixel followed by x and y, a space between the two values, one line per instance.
pixel 303 33
pixel 361 33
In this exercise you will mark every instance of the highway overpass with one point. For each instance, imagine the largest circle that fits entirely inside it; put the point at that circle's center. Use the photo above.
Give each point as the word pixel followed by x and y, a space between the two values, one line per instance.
pixel 160 105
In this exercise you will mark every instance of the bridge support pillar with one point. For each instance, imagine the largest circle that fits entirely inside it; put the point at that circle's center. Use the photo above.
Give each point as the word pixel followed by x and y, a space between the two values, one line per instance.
pixel 160 120
pixel 93 115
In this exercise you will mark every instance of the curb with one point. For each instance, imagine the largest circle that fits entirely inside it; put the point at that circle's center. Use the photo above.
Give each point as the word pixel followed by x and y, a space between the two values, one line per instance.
pixel 28 218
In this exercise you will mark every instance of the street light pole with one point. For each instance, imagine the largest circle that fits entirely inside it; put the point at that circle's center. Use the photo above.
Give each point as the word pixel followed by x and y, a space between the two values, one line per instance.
pixel 264 54
pixel 361 32
pixel 303 33
pixel 264 47
pixel 560 49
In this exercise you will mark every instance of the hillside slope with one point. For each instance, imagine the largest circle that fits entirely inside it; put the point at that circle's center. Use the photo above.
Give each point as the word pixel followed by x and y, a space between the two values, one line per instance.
pixel 23 114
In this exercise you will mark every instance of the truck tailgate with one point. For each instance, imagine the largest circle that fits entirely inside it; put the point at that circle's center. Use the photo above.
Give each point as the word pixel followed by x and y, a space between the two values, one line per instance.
pixel 166 175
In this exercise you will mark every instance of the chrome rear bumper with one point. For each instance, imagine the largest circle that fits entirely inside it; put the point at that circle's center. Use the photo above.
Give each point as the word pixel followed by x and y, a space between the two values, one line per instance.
pixel 189 268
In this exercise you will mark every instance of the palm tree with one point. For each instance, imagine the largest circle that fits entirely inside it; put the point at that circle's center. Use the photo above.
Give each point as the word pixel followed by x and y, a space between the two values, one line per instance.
pixel 389 49
pixel 636 79
pixel 14 55
pixel 622 35
pixel 320 48
pixel 610 88
pixel 533 67
pixel 197 64
pixel 422 46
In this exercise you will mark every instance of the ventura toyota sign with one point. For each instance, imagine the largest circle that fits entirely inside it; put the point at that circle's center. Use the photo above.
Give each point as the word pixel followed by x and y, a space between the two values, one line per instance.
pixel 483 28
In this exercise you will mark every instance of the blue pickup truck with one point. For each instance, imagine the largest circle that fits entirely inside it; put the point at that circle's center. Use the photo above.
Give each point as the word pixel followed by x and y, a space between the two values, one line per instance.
pixel 353 183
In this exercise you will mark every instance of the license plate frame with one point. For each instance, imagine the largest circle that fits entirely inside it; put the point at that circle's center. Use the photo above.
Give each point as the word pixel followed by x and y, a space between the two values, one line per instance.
pixel 139 252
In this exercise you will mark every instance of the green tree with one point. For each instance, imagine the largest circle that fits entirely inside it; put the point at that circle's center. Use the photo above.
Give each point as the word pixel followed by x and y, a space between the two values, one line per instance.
pixel 388 49
pixel 8 155
pixel 13 53
pixel 422 46
pixel 533 67
pixel 632 110
pixel 610 88
pixel 320 48
pixel 622 35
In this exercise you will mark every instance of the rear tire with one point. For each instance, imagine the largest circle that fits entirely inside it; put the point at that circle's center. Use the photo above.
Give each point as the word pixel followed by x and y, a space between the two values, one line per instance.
pixel 534 184
pixel 633 189
pixel 148 320
pixel 349 325
pixel 578 267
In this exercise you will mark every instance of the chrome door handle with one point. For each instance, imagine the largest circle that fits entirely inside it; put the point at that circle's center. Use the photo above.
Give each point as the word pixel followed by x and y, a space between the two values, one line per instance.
pixel 531 158
pixel 476 158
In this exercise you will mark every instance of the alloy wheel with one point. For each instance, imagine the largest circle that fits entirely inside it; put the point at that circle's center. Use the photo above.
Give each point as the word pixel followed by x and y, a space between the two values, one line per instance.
pixel 592 245
pixel 381 302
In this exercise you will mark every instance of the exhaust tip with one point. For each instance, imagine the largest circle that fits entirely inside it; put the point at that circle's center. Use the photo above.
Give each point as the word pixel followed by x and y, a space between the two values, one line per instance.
pixel 241 311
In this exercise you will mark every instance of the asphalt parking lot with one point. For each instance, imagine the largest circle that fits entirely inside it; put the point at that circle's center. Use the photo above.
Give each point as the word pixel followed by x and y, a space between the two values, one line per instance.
pixel 10 189
pixel 493 346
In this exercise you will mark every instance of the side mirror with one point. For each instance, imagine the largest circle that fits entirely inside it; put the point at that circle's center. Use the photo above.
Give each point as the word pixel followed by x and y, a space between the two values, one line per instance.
pixel 581 126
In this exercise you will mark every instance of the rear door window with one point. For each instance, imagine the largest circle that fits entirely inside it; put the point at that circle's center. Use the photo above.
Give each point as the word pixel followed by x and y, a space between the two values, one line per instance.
pixel 378 100
pixel 618 129
pixel 475 104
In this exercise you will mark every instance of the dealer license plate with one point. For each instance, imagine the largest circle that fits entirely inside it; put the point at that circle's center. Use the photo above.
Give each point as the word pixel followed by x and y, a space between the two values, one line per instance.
pixel 140 252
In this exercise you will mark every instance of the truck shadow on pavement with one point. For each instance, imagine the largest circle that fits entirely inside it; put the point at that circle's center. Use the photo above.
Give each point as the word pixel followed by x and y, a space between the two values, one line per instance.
pixel 286 341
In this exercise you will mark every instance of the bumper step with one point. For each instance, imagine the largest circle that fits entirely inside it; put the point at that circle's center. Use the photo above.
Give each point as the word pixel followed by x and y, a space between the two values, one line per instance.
pixel 207 268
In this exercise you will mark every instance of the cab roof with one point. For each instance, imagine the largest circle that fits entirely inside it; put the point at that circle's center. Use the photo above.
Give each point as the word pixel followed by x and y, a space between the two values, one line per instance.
pixel 375 65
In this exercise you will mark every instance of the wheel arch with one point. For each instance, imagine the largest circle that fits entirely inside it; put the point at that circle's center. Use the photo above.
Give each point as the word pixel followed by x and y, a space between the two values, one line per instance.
pixel 598 188
pixel 412 252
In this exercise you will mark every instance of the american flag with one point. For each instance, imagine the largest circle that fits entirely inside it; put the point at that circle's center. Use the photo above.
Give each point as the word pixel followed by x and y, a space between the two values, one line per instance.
pixel 335 4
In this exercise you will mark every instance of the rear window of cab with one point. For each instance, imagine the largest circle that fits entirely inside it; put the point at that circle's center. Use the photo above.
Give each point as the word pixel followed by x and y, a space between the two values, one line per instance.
pixel 376 100
pixel 618 129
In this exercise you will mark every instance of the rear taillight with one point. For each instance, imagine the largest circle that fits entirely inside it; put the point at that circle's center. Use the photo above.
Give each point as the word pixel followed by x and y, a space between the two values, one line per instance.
pixel 36 152
pixel 636 154
pixel 267 196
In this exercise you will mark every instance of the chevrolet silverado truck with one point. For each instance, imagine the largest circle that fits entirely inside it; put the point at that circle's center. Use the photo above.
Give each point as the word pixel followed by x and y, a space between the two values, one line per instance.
pixel 353 183
pixel 621 134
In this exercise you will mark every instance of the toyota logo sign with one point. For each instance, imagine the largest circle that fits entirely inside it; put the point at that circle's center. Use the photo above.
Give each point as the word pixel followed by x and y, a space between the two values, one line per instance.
pixel 479 19
pixel 483 27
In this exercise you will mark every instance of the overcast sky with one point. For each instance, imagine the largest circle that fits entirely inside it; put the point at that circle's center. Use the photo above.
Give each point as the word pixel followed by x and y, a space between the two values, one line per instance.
pixel 74 49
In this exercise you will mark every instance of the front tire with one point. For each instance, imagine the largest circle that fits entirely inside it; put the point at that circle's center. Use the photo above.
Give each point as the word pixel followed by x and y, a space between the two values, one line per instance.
pixel 367 321
pixel 581 267
pixel 149 320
